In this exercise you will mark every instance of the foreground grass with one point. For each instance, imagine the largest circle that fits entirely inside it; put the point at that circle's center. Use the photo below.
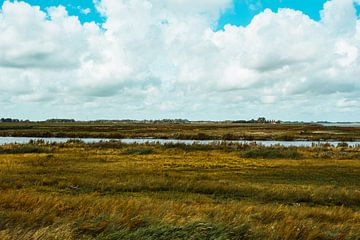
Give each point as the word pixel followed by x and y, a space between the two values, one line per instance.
pixel 117 191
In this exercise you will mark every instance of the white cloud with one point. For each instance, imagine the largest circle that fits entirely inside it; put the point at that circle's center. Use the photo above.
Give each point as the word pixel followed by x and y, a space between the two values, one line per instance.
pixel 31 38
pixel 85 11
pixel 155 58
pixel 339 16
pixel 346 103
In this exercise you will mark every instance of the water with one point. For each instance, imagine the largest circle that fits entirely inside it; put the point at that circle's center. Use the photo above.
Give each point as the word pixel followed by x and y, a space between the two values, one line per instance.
pixel 22 140
pixel 354 125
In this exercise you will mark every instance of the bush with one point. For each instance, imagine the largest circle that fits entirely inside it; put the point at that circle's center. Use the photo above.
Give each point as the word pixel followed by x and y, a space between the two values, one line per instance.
pixel 24 149
pixel 272 153
pixel 343 145
pixel 75 141
pixel 112 144
pixel 191 147
pixel 202 136
pixel 145 151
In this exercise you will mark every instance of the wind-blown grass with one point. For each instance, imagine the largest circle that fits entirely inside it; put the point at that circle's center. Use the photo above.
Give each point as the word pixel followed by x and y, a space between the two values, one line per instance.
pixel 117 191
pixel 18 149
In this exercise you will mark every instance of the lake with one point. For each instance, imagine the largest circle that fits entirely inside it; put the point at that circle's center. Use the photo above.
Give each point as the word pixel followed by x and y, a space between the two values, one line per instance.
pixel 22 140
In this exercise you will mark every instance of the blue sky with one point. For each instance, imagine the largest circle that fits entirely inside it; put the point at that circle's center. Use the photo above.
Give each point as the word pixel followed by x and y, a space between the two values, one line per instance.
pixel 245 10
pixel 74 7
pixel 240 15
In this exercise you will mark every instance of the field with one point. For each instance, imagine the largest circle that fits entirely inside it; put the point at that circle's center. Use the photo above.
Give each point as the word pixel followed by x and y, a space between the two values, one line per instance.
pixel 116 191
pixel 194 130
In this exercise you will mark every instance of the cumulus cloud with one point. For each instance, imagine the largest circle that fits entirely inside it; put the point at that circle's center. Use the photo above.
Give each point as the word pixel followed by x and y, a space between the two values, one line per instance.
pixel 153 58
pixel 339 16
pixel 31 38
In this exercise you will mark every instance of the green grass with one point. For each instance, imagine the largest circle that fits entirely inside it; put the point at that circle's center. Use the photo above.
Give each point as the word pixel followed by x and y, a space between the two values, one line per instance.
pixel 272 153
pixel 18 149
pixel 144 151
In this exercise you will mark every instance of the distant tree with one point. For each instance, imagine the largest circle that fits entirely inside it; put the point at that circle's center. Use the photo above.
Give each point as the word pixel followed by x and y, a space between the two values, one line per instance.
pixel 261 120
pixel 55 120
pixel 9 120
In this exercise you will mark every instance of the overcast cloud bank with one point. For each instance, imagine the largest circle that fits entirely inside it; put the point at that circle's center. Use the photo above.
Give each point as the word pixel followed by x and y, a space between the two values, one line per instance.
pixel 160 59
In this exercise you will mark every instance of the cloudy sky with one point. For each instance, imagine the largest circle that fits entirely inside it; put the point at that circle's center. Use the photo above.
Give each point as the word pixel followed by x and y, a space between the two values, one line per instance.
pixel 204 59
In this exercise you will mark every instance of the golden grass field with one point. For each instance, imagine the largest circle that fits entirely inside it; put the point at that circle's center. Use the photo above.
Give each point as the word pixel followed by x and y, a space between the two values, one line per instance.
pixel 115 191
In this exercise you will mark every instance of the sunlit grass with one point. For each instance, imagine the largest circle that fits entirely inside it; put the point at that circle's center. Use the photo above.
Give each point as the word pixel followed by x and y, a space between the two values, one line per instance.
pixel 118 191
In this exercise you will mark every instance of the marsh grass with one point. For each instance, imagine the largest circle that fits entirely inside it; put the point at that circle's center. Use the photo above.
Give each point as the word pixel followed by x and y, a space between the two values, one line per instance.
pixel 195 131
pixel 220 191
pixel 144 151
pixel 272 153
pixel 21 149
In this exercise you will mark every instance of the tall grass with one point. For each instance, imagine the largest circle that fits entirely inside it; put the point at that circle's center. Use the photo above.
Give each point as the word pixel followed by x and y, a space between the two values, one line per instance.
pixel 272 153
pixel 21 149
pixel 220 191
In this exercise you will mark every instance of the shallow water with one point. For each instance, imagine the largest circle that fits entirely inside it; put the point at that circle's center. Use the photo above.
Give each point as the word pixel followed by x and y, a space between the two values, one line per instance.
pixel 355 125
pixel 21 140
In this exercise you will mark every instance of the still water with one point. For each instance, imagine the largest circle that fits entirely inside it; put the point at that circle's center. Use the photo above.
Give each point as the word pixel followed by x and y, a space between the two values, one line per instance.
pixel 21 140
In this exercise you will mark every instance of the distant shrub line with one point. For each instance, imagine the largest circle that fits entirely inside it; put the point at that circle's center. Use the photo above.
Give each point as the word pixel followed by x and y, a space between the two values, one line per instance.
pixel 21 149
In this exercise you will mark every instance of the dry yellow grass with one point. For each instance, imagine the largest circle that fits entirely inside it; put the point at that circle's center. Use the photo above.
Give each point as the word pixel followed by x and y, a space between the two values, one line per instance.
pixel 110 191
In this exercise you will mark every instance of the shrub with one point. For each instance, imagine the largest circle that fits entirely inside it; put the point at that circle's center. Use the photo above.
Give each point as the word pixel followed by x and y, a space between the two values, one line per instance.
pixel 24 149
pixel 75 141
pixel 112 144
pixel 342 145
pixel 272 153
pixel 145 151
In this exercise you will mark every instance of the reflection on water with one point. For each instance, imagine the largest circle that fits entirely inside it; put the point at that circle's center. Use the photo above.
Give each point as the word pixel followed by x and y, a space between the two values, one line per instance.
pixel 21 140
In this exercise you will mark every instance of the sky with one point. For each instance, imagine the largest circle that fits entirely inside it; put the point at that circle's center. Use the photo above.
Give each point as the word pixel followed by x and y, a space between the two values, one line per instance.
pixel 199 60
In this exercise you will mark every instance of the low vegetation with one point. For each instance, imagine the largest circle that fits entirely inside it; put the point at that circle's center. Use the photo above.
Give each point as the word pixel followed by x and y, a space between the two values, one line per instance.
pixel 181 130
pixel 15 149
pixel 111 190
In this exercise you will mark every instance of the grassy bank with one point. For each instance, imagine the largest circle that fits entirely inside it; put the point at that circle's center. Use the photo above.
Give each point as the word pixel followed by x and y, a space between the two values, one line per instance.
pixel 227 191
pixel 195 131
